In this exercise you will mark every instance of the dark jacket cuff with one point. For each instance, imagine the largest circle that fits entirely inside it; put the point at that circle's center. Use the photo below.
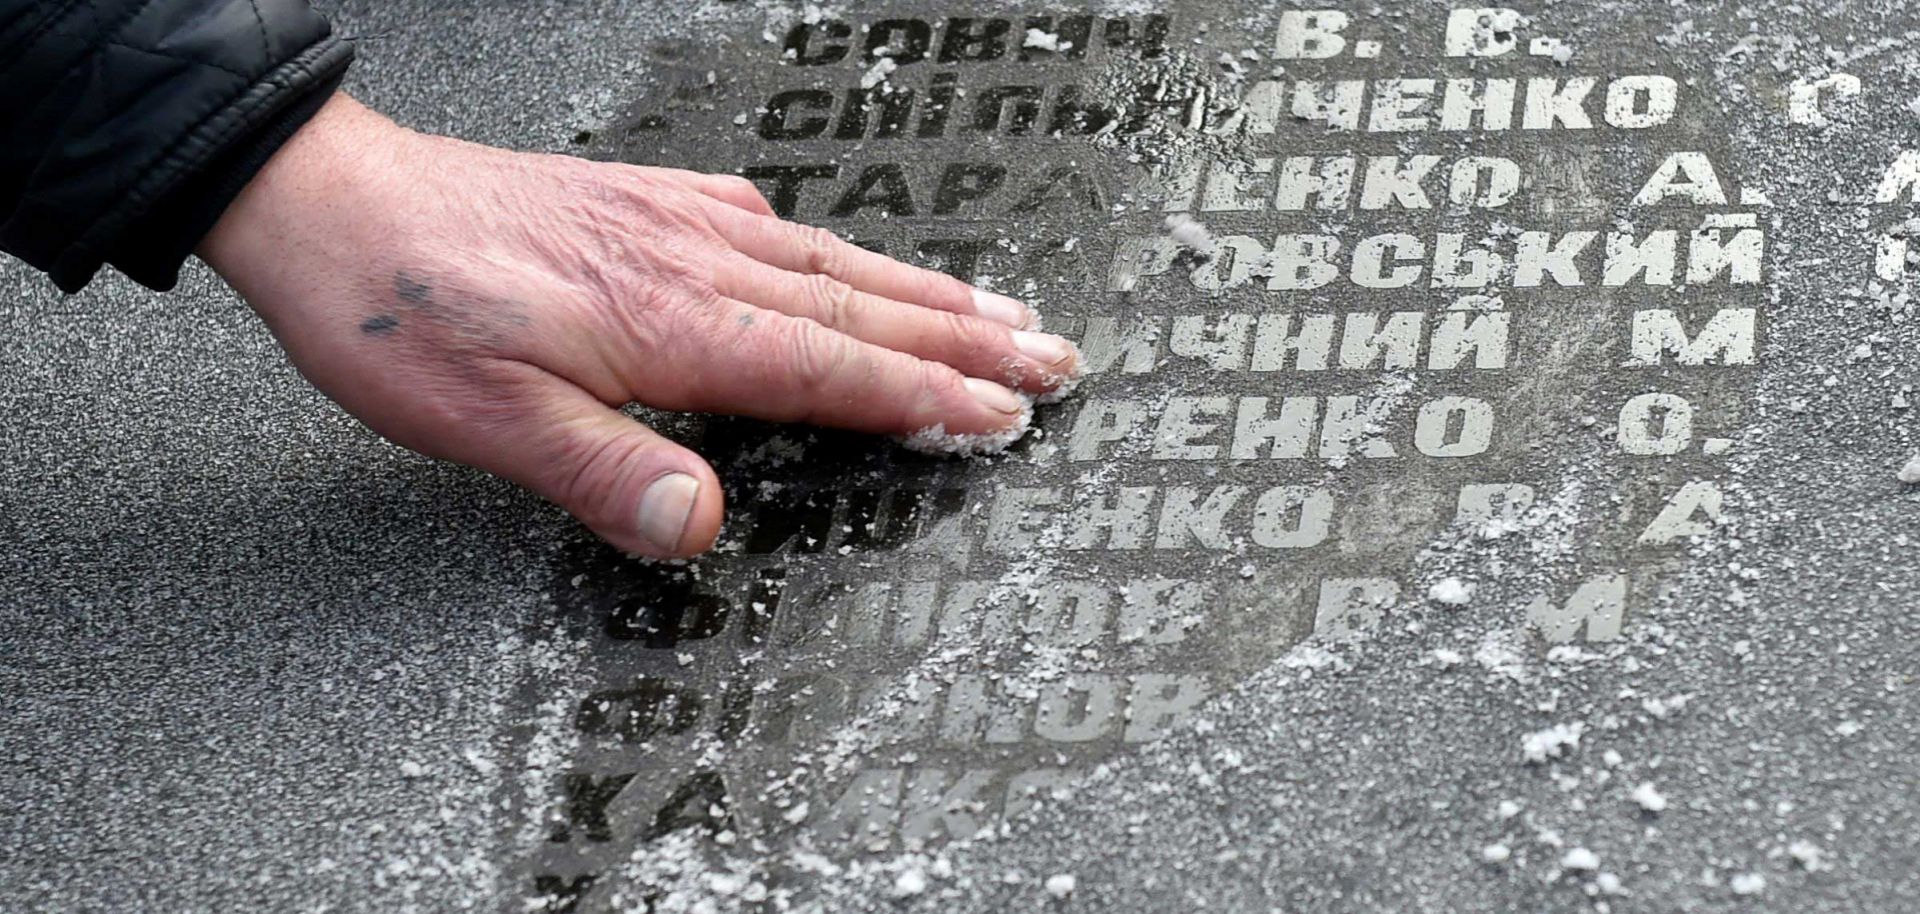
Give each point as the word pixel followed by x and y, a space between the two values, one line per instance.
pixel 127 126
pixel 153 247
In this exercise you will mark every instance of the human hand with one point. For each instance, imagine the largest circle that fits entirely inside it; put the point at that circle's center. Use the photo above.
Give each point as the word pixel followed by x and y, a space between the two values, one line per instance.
pixel 495 308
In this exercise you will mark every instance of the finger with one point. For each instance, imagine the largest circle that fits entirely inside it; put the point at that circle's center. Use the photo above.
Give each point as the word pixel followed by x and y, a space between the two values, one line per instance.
pixel 809 249
pixel 632 487
pixel 732 190
pixel 1030 361
pixel 768 365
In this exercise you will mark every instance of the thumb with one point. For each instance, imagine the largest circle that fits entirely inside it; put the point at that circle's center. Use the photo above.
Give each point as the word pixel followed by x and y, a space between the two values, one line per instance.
pixel 637 490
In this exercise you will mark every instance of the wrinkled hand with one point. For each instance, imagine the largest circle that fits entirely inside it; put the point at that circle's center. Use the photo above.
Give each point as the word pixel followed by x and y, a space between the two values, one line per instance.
pixel 495 308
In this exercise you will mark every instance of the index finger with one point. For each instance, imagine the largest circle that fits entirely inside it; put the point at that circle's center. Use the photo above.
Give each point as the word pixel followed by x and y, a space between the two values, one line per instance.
pixel 772 366
pixel 811 249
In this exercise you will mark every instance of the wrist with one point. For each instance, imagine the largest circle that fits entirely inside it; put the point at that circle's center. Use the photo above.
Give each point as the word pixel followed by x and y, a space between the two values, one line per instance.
pixel 316 168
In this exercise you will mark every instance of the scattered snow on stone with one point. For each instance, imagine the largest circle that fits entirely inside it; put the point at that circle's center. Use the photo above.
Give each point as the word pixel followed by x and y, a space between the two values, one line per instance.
pixel 1649 799
pixel 1579 858
pixel 909 882
pixel 878 73
pixel 1541 745
pixel 1185 231
pixel 1450 591
pixel 1497 653
pixel 1496 853
pixel 1805 853
pixel 1061 885
pixel 1910 473
pixel 1045 41
pixel 1747 884
pixel 1662 707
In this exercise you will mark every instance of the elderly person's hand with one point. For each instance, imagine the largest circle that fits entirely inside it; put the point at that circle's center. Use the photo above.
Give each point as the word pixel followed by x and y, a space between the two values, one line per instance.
pixel 495 308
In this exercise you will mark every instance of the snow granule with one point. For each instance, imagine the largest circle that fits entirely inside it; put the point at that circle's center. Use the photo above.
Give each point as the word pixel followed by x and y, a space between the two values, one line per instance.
pixel 1580 858
pixel 878 73
pixel 1607 883
pixel 1747 884
pixel 1910 473
pixel 1061 885
pixel 909 883
pixel 1649 799
pixel 1496 853
pixel 1805 853
pixel 935 439
pixel 1662 707
pixel 1045 41
pixel 412 769
pixel 1063 390
pixel 1497 653
pixel 1539 746
pixel 1185 231
pixel 1451 591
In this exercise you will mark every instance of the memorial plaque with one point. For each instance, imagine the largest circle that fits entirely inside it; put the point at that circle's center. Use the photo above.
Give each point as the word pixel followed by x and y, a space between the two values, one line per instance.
pixel 1384 313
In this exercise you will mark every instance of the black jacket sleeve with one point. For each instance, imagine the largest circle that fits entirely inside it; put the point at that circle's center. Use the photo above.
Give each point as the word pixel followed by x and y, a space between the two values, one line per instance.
pixel 127 126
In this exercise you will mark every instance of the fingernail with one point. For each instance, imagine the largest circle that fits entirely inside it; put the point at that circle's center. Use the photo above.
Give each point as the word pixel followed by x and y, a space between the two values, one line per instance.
pixel 993 396
pixel 1044 348
pixel 664 509
pixel 1001 309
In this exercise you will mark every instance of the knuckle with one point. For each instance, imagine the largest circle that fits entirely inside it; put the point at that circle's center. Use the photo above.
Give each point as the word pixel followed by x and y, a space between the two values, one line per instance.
pixel 915 393
pixel 970 335
pixel 937 384
pixel 816 356
pixel 944 291
pixel 831 299
pixel 821 251
pixel 588 472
